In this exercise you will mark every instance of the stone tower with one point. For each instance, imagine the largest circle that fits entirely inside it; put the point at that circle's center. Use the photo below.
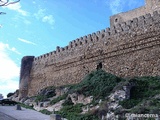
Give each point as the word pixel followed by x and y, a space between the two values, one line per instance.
pixel 150 6
pixel 26 65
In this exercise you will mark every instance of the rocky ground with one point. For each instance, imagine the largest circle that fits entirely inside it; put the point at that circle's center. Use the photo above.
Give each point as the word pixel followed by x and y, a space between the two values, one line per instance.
pixel 99 96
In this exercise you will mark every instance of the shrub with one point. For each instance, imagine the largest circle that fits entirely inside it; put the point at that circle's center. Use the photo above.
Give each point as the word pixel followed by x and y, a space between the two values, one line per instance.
pixel 85 117
pixel 129 103
pixel 41 98
pixel 72 112
pixel 98 84
pixel 68 102
pixel 10 94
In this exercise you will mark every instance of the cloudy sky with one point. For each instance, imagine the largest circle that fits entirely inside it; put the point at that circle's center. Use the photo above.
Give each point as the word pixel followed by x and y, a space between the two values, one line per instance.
pixel 37 27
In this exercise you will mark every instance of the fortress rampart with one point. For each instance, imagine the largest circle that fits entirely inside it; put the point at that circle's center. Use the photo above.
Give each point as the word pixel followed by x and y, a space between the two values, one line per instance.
pixel 150 6
pixel 127 49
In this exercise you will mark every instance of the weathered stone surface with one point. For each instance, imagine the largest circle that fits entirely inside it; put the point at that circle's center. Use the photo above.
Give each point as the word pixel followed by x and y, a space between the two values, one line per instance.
pixel 25 75
pixel 18 107
pixel 150 6
pixel 55 117
pixel 80 98
pixel 129 49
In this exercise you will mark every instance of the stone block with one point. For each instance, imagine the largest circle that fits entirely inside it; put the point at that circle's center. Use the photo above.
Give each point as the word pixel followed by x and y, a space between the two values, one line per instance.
pixel 55 117
pixel 40 104
pixel 46 104
pixel 18 107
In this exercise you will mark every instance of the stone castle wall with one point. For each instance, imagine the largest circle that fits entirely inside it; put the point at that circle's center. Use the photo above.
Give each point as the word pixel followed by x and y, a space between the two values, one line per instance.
pixel 25 72
pixel 150 6
pixel 127 49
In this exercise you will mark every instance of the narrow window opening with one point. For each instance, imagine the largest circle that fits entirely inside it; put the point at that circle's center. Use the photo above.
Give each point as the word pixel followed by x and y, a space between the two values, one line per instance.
pixel 99 66
pixel 116 20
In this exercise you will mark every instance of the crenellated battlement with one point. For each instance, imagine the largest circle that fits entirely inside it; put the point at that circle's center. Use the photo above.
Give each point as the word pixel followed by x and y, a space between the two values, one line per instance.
pixel 121 28
pixel 130 47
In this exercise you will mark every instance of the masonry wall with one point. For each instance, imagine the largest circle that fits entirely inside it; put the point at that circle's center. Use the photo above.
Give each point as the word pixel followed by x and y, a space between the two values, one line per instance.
pixel 26 66
pixel 150 6
pixel 128 49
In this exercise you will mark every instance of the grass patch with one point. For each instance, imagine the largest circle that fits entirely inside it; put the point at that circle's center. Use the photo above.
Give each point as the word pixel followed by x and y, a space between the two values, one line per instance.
pixel 26 106
pixel 72 112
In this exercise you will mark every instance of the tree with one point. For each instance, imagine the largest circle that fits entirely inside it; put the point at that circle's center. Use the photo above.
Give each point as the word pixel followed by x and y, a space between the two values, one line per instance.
pixel 10 94
pixel 6 3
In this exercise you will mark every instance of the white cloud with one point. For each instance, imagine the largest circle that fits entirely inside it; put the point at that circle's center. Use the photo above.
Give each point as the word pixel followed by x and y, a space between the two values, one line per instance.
pixel 15 50
pixel 26 41
pixel 41 15
pixel 49 19
pixel 17 7
pixel 9 71
pixel 116 6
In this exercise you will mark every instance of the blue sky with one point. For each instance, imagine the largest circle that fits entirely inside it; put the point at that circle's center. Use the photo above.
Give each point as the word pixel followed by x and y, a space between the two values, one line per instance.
pixel 37 27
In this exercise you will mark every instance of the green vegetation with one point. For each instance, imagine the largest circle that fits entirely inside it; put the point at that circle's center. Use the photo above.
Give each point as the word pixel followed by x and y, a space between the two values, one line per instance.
pixel 129 103
pixel 26 106
pixel 145 88
pixel 9 95
pixel 68 101
pixel 98 84
pixel 45 94
pixel 62 97
pixel 41 98
pixel 72 112
pixel 44 111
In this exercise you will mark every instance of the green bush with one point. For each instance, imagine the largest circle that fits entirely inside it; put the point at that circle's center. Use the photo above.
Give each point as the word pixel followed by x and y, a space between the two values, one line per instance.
pixel 98 84
pixel 10 94
pixel 84 117
pixel 68 102
pixel 145 87
pixel 130 103
pixel 41 98
pixel 72 112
